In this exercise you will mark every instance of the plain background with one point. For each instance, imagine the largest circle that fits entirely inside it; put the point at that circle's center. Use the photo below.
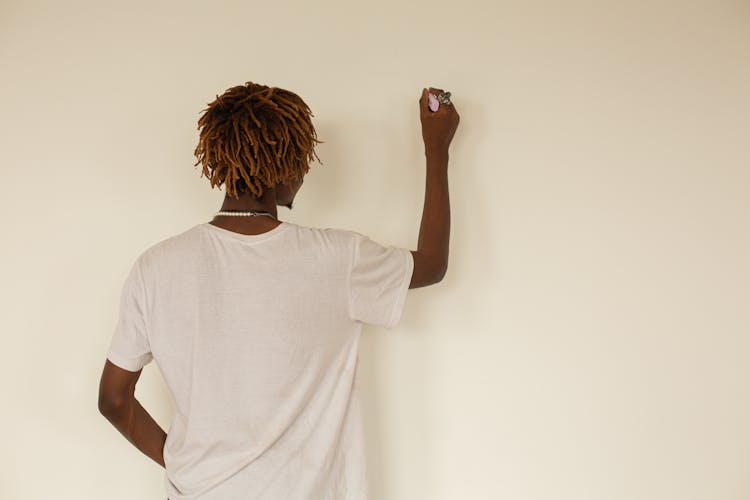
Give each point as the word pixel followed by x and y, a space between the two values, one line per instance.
pixel 591 337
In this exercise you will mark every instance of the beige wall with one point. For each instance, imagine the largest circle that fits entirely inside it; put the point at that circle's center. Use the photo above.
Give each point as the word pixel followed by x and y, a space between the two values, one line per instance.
pixel 591 337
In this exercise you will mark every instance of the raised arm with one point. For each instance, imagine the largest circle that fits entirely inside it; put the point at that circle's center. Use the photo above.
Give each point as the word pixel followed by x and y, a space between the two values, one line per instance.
pixel 431 256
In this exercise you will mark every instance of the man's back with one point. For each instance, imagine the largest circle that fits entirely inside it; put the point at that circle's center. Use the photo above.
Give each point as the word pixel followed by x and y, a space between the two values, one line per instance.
pixel 256 337
pixel 256 329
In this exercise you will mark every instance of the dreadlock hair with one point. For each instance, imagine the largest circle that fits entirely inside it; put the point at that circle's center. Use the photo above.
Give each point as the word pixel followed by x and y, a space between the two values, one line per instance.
pixel 254 136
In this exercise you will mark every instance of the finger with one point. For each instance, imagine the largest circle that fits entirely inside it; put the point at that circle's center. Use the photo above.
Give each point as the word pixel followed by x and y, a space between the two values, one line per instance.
pixel 423 103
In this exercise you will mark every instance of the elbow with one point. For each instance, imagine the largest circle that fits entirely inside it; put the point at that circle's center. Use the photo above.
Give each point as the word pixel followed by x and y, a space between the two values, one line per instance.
pixel 110 407
pixel 107 408
pixel 441 273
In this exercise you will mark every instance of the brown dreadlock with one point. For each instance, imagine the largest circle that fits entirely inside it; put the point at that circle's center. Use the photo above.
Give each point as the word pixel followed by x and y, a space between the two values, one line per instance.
pixel 253 136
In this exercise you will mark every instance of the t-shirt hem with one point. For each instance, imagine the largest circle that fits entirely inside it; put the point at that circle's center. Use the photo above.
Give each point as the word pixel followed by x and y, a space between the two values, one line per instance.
pixel 128 364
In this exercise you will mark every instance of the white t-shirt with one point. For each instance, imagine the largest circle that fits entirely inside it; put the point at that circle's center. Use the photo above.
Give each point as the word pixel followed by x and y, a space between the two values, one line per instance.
pixel 256 337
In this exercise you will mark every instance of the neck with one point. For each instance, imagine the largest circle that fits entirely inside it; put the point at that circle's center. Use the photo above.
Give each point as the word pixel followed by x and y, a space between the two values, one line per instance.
pixel 266 203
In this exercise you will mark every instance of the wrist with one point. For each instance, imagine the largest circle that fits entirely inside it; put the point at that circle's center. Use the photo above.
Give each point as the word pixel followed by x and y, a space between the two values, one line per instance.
pixel 436 151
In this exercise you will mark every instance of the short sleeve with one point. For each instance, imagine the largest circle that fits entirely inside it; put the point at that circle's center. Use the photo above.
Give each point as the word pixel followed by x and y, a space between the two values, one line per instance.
pixel 130 348
pixel 379 279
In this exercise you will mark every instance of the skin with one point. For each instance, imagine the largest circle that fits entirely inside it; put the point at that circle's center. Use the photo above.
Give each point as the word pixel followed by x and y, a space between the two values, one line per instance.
pixel 431 256
pixel 117 400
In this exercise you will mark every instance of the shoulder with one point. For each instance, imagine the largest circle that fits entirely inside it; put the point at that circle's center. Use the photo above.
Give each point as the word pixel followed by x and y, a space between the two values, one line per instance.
pixel 353 241
pixel 175 248
pixel 333 236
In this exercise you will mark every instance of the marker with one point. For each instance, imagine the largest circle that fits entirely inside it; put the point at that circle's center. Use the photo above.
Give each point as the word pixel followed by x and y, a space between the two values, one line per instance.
pixel 433 102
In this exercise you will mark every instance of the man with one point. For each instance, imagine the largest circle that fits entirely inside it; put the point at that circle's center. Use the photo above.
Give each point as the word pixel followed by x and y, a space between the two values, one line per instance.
pixel 255 322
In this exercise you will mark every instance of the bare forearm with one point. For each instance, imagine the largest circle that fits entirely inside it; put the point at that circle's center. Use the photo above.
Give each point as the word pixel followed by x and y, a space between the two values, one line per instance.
pixel 135 423
pixel 434 231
